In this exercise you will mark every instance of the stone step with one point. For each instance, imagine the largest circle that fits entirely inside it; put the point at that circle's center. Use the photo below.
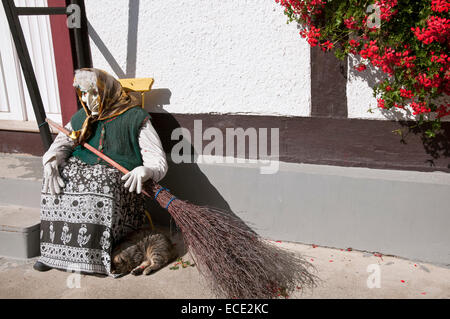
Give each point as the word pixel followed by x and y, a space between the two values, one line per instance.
pixel 19 232
pixel 17 192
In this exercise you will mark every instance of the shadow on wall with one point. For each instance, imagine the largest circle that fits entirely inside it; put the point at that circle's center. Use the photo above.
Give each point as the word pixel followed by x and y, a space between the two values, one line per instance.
pixel 133 22
pixel 156 99
pixel 185 180
pixel 436 147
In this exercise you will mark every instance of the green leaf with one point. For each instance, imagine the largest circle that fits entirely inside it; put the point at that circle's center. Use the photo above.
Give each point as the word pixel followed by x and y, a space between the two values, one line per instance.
pixel 430 134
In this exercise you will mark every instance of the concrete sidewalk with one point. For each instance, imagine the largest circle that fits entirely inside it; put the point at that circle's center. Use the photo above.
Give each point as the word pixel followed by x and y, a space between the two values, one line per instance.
pixel 343 274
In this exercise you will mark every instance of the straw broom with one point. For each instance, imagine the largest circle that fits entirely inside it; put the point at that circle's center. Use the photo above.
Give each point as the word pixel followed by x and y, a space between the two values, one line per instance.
pixel 234 260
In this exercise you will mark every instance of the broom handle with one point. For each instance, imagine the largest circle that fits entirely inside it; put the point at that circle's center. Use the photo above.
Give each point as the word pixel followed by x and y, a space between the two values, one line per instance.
pixel 93 150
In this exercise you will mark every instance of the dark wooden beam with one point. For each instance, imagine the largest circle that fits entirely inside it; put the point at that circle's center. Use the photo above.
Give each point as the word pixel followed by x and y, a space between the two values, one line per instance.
pixel 328 85
pixel 330 141
pixel 30 11
pixel 322 141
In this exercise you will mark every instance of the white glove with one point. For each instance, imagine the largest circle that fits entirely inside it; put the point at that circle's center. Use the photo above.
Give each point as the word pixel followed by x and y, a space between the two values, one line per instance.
pixel 136 178
pixel 52 180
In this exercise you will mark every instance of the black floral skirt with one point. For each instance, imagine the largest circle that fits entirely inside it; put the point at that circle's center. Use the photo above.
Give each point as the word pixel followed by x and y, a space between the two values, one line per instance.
pixel 80 226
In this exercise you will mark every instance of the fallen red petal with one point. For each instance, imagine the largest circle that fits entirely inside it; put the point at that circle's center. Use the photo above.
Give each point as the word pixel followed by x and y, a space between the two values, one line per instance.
pixel 402 281
pixel 378 255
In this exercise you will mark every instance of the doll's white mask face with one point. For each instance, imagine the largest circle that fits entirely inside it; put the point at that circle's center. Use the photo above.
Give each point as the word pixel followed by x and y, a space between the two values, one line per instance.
pixel 86 82
pixel 90 98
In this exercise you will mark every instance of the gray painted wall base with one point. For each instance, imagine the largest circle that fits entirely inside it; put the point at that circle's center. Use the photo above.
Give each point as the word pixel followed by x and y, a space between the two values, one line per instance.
pixel 401 213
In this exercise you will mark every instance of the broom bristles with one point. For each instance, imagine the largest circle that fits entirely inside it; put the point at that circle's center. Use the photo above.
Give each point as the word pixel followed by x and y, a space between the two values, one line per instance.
pixel 234 260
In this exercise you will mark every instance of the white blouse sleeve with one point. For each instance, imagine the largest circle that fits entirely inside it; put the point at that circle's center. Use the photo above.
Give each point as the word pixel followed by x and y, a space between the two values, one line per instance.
pixel 61 148
pixel 153 154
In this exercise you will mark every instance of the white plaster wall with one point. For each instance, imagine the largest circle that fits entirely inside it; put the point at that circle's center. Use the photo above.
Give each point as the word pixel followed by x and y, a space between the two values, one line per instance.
pixel 226 57
pixel 232 56
pixel 360 100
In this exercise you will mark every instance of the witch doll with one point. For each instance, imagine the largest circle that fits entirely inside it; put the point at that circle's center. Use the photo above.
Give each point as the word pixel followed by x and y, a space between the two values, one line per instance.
pixel 87 206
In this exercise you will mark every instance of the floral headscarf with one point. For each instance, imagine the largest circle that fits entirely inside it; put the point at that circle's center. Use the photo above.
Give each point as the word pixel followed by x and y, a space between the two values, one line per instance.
pixel 113 100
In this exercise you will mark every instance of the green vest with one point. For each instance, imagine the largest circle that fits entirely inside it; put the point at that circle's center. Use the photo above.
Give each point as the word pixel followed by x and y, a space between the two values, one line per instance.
pixel 117 137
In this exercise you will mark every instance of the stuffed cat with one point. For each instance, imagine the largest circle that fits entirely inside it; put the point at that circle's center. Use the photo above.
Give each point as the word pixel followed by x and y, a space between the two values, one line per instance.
pixel 142 252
